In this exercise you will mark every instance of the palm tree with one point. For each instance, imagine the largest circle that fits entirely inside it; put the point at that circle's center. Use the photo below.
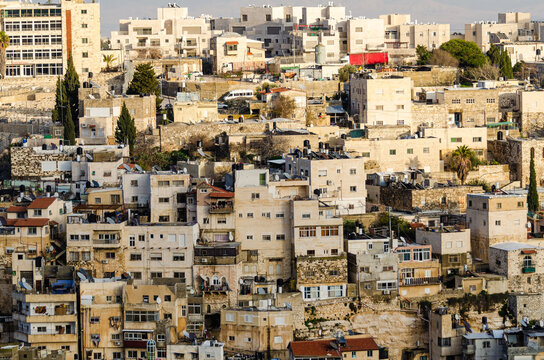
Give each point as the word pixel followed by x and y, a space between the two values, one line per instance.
pixel 461 161
pixel 4 43
pixel 109 59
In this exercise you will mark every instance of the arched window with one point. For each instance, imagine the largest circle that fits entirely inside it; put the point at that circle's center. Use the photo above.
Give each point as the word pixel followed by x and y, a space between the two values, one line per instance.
pixel 527 261
pixel 216 280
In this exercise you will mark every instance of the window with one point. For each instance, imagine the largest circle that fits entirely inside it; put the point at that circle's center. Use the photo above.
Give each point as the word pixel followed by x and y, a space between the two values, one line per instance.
pixel 32 231
pixel 422 254
pixel 178 257
pixel 84 11
pixel 280 215
pixel 527 261
pixel 97 356
pixel 456 139
pixel 310 252
pixel 322 173
pixel 379 107
pixel 469 101
pixel 164 200
pixel 409 151
pixel 110 255
pixel 497 223
pixel 306 216
pixel 255 196
pixel 307 231
pixel 499 205
pixel 369 353
pixel 250 215
pixel 521 204
pixel 311 292
pixel 486 344
pixel 267 237
pixel 222 220
pixel 335 291
pixel 156 257
pixel 444 342
pixel 280 237
pixel 163 183
pixel 392 152
pixel 265 215
pixel 156 275
pixel 141 316
pixel 476 139
pixel 95 320
pixel 85 55
pixel 353 171
pixel 425 150
pixel 490 101
pixel 329 231
pixel 84 40
pixel 455 101
pixel 353 188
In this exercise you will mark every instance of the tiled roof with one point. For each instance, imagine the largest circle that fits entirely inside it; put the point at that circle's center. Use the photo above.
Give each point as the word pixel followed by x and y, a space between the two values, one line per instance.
pixel 36 222
pixel 16 209
pixel 323 348
pixel 42 203
pixel 359 344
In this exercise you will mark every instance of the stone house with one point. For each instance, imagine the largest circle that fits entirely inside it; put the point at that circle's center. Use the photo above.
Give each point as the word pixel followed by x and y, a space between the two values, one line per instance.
pixel 452 137
pixel 258 330
pixel 486 345
pixel 450 245
pixel 495 218
pixel 359 347
pixel 531 110
pixel 195 112
pixel 445 334
pixel 524 305
pixel 419 274
pixel 215 213
pixel 520 263
pixel 276 95
pixel 372 265
pixel 169 198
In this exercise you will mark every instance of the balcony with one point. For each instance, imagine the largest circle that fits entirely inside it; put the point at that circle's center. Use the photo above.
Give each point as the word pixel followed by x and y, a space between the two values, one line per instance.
pixel 215 289
pixel 221 207
pixel 107 243
pixel 45 338
pixel 528 269
pixel 420 281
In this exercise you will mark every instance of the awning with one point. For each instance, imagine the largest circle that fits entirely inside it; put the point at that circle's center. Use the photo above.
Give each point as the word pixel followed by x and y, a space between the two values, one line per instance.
pixel 528 251
pixel 232 43
pixel 500 124
pixel 277 161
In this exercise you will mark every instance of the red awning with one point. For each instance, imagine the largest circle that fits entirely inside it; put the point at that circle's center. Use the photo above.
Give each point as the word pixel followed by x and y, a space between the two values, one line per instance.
pixel 528 251
pixel 232 43
pixel 221 195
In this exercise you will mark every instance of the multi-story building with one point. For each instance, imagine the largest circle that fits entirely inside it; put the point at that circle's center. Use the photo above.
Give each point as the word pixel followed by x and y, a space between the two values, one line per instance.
pixel 45 310
pixel 510 27
pixel 365 35
pixel 419 274
pixel 486 345
pixel 335 177
pixel 172 34
pixel 450 245
pixel 445 335
pixel 232 52
pixel 266 331
pixel 386 101
pixel 169 200
pixel 402 33
pixel 372 264
pixel 43 36
pixel 495 218
pixel 215 213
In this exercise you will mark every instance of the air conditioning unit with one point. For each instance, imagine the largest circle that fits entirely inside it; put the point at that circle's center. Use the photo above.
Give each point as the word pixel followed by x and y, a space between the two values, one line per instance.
pixel 116 343
pixel 104 261
pixel 204 260
pixel 329 182
pixel 386 292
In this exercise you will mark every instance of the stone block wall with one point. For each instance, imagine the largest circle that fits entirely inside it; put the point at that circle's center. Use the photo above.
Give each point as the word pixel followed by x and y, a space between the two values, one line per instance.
pixel 526 305
pixel 313 270
pixel 26 164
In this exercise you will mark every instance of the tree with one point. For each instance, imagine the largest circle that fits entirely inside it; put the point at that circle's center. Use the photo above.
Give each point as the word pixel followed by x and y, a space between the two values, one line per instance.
pixel 462 162
pixel 485 72
pixel 71 83
pixel 518 68
pixel 69 129
pixel 506 66
pixel 423 55
pixel 109 59
pixel 4 43
pixel 494 54
pixel 284 107
pixel 145 82
pixel 61 103
pixel 125 132
pixel 467 52
pixel 345 72
pixel 533 203
pixel 443 58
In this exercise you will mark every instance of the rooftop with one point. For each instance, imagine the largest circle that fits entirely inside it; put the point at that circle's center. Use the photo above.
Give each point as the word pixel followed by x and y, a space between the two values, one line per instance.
pixel 513 246
pixel 42 203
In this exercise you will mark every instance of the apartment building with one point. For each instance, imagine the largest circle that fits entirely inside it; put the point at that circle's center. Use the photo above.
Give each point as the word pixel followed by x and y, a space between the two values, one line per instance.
pixel 265 331
pixel 450 245
pixel 385 101
pixel 517 153
pixel 520 263
pixel 510 27
pixel 320 261
pixel 43 36
pixel 215 213
pixel 336 178
pixel 529 52
pixel 419 274
pixel 495 218
pixel 486 345
pixel 365 35
pixel 445 334
pixel 232 52
pixel 45 310
pixel 98 124
pixel 403 33
pixel 101 318
pixel 263 199
pixel 372 264
pixel 531 108
pixel 171 34
pixel 169 199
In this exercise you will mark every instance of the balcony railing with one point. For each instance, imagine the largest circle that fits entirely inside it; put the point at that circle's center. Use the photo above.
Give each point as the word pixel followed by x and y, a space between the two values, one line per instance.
pixel 528 269
pixel 420 281
pixel 107 243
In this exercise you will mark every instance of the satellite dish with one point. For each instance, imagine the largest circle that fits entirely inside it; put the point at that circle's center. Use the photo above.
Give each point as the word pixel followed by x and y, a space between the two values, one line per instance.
pixel 110 221
pixel 541 323
pixel 138 167
pixel 24 284
pixel 456 316
pixel 231 237
pixel 51 248
pixel 89 156
pixel 95 183
pixel 126 167
pixel 159 301
pixel 81 276
pixel 186 334
pixel 334 345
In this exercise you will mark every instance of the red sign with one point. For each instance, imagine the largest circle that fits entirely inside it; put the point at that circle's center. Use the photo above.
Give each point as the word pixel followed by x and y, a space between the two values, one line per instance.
pixel 368 59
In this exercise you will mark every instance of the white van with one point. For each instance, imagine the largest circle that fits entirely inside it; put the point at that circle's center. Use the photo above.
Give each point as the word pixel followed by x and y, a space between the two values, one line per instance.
pixel 235 94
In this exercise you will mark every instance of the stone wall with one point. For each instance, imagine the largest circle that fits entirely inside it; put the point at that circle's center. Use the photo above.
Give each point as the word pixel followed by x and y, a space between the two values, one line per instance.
pixel 531 122
pixel 526 305
pixel 491 174
pixel 26 164
pixel 517 154
pixel 434 116
pixel 444 199
pixel 314 270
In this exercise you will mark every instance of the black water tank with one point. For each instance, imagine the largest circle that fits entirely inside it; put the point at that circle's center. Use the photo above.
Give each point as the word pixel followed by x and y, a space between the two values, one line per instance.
pixel 79 151
pixel 48 188
pixel 91 75
pixel 44 146
pixel 306 143
pixel 22 188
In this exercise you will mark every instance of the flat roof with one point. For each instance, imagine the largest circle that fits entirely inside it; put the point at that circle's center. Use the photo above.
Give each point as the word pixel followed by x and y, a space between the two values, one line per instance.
pixel 514 246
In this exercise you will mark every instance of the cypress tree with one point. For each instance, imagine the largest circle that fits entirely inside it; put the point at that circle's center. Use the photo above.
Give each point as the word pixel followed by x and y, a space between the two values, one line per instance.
pixel 61 103
pixel 506 66
pixel 125 133
pixel 69 129
pixel 145 82
pixel 532 196
pixel 71 83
